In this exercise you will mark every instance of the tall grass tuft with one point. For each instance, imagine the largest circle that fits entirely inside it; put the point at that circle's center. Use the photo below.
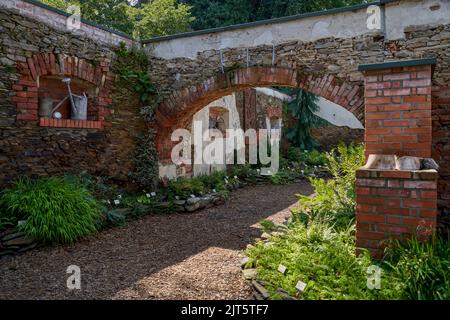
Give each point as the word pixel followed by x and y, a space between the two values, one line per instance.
pixel 56 210
pixel 422 268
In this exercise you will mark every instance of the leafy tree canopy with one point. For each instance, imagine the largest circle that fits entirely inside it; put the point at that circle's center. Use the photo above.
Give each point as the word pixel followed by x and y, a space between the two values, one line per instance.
pixel 219 13
pixel 139 18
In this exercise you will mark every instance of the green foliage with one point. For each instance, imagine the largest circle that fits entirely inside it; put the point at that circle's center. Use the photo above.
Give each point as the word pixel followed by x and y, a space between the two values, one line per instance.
pixel 267 225
pixel 321 257
pixel 185 187
pixel 58 4
pixel 302 109
pixel 56 209
pixel 114 218
pixel 162 17
pixel 335 198
pixel 215 180
pixel 132 67
pixel 153 18
pixel 244 172
pixel 324 258
pixel 421 268
pixel 281 177
pixel 314 157
pixel 100 187
pixel 219 13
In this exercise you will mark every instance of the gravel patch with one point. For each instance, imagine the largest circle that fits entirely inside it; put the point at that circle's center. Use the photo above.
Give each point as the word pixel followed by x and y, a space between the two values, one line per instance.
pixel 177 256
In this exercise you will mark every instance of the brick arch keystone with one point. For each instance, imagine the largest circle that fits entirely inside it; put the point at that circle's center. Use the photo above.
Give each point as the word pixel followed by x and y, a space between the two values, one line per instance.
pixel 177 110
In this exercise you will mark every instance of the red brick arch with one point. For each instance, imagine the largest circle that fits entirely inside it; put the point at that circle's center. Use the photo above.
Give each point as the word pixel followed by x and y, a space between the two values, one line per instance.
pixel 177 110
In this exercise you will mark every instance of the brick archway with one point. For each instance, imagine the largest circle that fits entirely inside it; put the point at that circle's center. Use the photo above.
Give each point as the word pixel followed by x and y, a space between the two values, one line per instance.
pixel 177 110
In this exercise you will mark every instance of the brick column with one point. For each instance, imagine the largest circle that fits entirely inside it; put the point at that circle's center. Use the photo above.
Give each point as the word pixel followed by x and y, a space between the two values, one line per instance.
pixel 396 204
pixel 398 108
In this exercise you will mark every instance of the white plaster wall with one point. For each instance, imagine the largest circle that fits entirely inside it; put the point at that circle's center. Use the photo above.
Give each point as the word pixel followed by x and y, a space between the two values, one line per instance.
pixel 337 115
pixel 330 111
pixel 414 13
pixel 228 103
pixel 350 24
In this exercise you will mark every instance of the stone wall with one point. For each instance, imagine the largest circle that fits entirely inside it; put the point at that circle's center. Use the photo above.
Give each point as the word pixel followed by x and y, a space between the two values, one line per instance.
pixel 329 137
pixel 28 145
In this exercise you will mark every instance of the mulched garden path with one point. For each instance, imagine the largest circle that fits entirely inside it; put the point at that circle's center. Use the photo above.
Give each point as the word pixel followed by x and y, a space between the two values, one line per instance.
pixel 177 256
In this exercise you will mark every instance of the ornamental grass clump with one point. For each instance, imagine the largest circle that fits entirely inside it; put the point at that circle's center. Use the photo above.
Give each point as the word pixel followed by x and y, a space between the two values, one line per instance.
pixel 56 210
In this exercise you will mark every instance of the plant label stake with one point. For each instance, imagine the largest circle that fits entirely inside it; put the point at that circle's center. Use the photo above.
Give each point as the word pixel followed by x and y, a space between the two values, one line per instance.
pixel 301 286
pixel 282 269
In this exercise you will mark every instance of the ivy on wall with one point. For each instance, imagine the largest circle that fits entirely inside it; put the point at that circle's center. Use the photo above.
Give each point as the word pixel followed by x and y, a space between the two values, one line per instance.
pixel 132 69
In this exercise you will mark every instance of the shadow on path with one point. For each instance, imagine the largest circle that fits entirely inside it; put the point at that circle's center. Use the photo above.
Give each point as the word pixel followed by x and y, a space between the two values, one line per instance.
pixel 178 256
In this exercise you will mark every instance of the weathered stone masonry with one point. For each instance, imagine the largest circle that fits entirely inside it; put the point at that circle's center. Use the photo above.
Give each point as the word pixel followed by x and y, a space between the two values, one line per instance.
pixel 189 71
pixel 30 52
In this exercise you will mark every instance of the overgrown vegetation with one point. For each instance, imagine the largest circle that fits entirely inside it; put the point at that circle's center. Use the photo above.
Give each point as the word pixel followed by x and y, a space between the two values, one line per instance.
pixel 319 248
pixel 422 269
pixel 56 210
pixel 132 67
pixel 335 198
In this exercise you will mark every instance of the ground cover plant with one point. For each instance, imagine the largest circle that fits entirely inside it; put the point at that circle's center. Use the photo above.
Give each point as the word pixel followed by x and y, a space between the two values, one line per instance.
pixel 319 249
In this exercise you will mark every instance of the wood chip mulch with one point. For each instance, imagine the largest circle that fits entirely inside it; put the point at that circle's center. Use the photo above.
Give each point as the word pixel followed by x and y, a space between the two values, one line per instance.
pixel 177 256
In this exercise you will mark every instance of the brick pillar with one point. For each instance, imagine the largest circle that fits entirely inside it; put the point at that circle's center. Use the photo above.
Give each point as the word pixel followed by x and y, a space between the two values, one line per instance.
pixel 396 204
pixel 398 109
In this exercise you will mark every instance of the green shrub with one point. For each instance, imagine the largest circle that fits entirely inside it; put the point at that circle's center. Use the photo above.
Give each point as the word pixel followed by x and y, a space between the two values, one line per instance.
pixel 268 226
pixel 56 209
pixel 314 157
pixel 335 198
pixel 100 187
pixel 243 172
pixel 185 187
pixel 215 180
pixel 282 177
pixel 114 218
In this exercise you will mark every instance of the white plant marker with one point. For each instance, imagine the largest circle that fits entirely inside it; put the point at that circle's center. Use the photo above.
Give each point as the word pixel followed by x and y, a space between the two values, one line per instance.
pixel 116 202
pixel 22 223
pixel 282 269
pixel 153 194
pixel 301 286
pixel 148 195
